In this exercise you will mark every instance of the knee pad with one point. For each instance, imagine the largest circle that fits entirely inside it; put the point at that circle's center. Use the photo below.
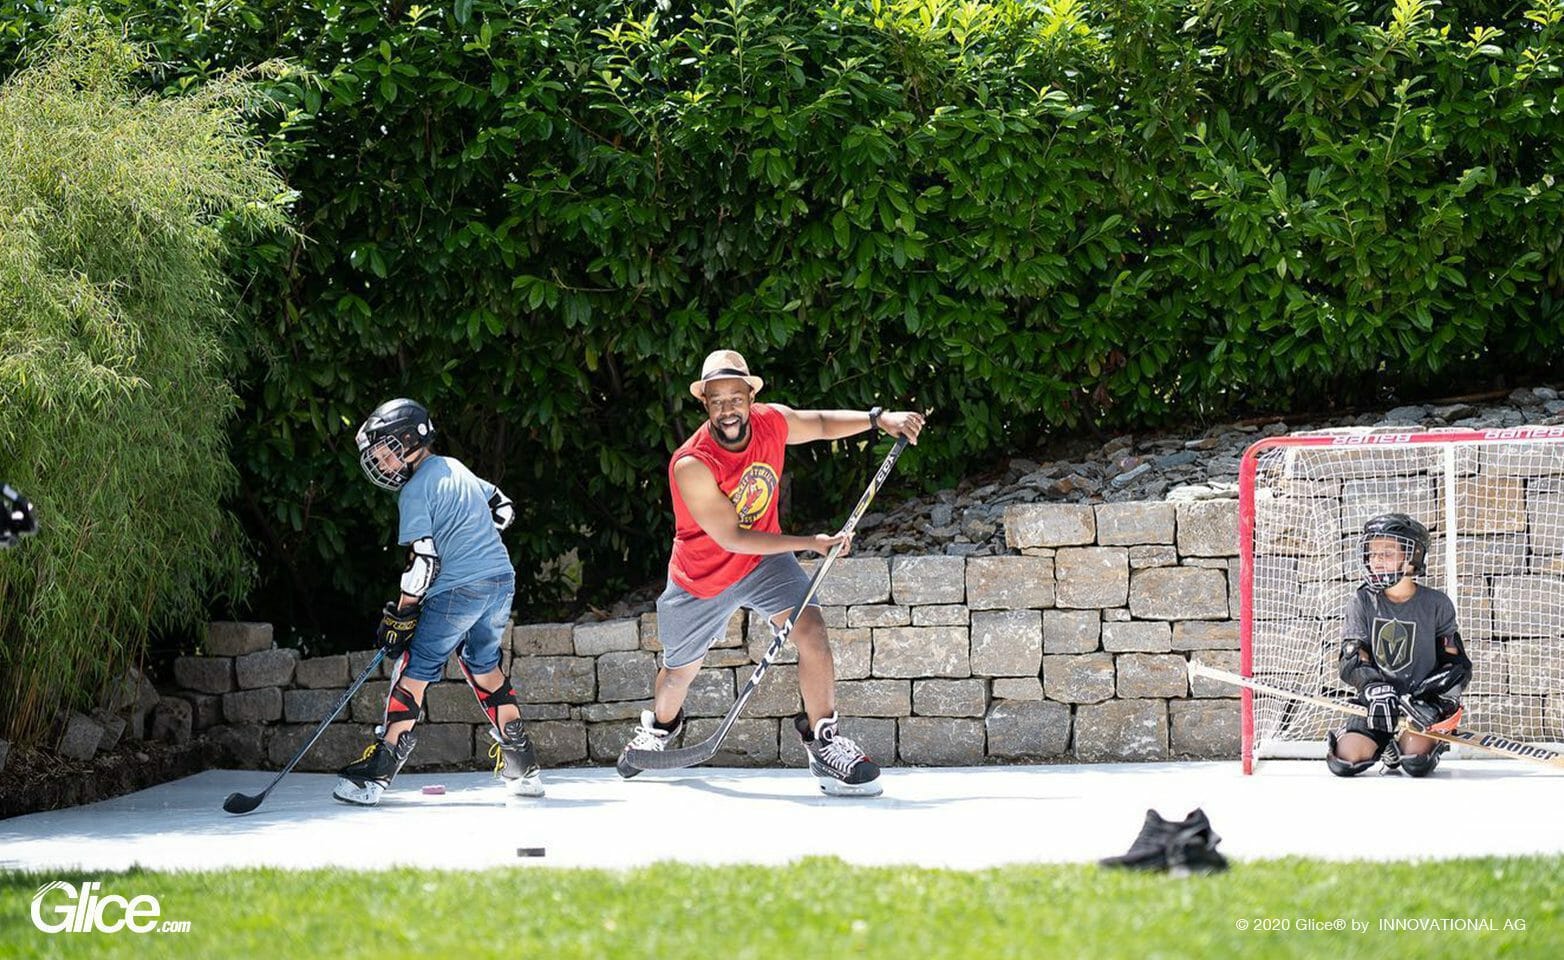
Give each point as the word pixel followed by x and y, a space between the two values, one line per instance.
pixel 1421 764
pixel 401 706
pixel 490 700
pixel 1344 768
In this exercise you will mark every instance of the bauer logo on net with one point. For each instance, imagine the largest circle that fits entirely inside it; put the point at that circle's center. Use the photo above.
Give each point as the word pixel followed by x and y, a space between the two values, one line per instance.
pixel 61 907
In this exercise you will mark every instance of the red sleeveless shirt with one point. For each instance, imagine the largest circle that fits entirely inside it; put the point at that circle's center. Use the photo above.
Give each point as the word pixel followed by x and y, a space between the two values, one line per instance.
pixel 751 478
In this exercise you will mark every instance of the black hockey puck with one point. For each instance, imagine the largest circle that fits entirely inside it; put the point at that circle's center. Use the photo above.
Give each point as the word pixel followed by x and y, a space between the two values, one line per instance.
pixel 529 851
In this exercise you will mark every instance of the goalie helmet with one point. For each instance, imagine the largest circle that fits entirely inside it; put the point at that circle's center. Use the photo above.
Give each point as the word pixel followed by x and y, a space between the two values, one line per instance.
pixel 401 427
pixel 1411 535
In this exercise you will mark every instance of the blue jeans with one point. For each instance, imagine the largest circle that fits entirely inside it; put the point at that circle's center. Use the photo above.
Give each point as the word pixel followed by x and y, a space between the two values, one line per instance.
pixel 472 616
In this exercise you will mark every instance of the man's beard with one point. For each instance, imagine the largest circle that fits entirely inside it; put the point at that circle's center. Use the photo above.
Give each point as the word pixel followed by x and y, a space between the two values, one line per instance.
pixel 739 440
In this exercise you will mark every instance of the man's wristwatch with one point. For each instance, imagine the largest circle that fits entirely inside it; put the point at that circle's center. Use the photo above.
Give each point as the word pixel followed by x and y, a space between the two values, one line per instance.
pixel 874 417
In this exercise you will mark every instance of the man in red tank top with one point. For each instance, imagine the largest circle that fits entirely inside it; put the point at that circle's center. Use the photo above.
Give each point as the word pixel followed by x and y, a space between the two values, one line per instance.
pixel 729 551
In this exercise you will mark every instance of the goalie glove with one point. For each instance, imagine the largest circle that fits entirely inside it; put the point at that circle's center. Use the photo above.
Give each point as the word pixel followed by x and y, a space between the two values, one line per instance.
pixel 397 625
pixel 1436 714
pixel 1383 707
pixel 501 510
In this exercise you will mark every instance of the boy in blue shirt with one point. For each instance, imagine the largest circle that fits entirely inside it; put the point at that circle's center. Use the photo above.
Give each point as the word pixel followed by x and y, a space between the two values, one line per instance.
pixel 456 592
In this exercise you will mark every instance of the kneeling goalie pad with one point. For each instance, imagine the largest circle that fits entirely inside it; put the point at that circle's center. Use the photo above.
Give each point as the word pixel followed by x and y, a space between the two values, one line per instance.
pixel 1345 768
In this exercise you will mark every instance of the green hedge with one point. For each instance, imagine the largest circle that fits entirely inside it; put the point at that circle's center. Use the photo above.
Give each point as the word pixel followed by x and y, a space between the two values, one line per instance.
pixel 537 217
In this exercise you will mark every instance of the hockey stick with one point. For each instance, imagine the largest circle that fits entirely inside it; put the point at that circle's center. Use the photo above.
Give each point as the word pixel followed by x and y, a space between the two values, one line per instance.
pixel 706 749
pixel 243 802
pixel 1491 742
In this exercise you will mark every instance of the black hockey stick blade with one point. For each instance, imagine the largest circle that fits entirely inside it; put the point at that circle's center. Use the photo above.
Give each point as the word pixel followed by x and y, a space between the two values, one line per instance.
pixel 237 803
pixel 706 749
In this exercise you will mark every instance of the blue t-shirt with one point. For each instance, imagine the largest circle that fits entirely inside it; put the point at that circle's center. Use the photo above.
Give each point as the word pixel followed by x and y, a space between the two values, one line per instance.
pixel 450 503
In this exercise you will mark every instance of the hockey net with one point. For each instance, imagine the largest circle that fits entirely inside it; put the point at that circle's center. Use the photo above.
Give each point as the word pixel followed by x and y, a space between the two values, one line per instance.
pixel 1493 502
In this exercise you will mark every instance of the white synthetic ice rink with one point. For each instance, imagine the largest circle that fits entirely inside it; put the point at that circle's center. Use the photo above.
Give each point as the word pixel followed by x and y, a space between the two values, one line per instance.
pixel 938 817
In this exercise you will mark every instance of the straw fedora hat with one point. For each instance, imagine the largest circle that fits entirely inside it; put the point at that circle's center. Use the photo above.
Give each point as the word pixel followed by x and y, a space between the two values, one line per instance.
pixel 724 365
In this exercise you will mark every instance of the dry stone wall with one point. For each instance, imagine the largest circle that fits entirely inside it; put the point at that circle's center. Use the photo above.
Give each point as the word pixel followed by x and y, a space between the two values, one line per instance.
pixel 1071 648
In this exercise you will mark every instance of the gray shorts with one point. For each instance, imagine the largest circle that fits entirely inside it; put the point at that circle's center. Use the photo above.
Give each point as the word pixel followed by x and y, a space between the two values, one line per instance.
pixel 687 626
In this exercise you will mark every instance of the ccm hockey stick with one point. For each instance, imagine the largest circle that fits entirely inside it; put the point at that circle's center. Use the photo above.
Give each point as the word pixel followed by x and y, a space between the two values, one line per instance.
pixel 706 749
pixel 244 802
pixel 1491 742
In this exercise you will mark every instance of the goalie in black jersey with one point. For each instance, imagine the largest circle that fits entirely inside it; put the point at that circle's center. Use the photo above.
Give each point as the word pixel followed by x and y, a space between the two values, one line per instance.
pixel 1402 652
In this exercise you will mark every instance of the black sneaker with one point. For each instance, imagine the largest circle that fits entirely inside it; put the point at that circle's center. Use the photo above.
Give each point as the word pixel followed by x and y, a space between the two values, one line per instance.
pixel 365 779
pixel 1185 846
pixel 516 761
pixel 842 768
pixel 1150 849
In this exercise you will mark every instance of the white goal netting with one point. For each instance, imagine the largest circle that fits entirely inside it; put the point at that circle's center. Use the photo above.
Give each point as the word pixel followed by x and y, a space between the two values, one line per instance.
pixel 1493 502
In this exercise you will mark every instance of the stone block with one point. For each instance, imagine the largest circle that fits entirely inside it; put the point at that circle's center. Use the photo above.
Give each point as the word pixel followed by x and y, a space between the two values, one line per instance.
pixel 358 662
pixel 1028 729
pixel 854 580
pixel 750 742
pixel 114 726
pixel 879 615
pixel 555 680
pixel 1143 636
pixel 317 672
pixel 1208 528
pixel 204 674
pixel 1049 524
pixel 80 734
pixel 1205 687
pixel 227 638
pixel 777 695
pixel 942 615
pixel 852 650
pixel 543 639
pixel 1153 556
pixel 1152 675
pixel 950 698
pixel 369 703
pixel 605 741
pixel 206 710
pixel 1178 593
pixel 262 705
pixel 1122 730
pixel 1010 583
pixel 592 639
pixel 1007 643
pixel 1133 523
pixel 1071 631
pixel 1018 688
pixel 242 746
pixel 711 693
pixel 1204 729
pixel 941 741
pixel 1091 577
pixel 626 675
pixel 443 744
pixel 928 580
pixel 874 698
pixel 558 741
pixel 311 705
pixel 922 652
pixel 338 746
pixel 265 668
pixel 1205 635
pixel 1078 678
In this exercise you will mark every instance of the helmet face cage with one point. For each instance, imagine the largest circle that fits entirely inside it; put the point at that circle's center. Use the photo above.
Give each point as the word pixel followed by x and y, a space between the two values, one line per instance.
pixel 1408 534
pixel 370 456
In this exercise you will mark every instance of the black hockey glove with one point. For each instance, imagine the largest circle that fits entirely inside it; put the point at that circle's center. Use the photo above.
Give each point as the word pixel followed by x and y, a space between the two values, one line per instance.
pixel 1383 709
pixel 396 628
pixel 1447 677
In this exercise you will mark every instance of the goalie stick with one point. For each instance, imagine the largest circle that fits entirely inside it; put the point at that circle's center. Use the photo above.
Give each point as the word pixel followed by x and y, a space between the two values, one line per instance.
pixel 1491 742
pixel 244 802
pixel 706 749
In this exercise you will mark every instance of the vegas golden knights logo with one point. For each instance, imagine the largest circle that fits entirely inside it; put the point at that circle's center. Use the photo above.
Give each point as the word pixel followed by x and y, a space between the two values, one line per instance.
pixel 1393 640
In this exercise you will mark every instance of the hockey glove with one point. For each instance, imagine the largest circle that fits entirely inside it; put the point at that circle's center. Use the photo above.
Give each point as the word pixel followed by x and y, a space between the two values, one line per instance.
pixel 1435 713
pixel 1447 677
pixel 395 631
pixel 1383 710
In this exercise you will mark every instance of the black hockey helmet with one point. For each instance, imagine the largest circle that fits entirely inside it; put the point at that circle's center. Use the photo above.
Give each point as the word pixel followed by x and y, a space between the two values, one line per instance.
pixel 399 426
pixel 1412 536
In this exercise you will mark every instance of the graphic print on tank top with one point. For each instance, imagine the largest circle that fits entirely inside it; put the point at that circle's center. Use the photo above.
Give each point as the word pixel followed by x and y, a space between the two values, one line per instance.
pixel 753 494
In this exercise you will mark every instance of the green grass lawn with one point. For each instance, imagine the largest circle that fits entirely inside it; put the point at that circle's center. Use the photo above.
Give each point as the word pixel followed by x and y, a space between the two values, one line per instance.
pixel 819 908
